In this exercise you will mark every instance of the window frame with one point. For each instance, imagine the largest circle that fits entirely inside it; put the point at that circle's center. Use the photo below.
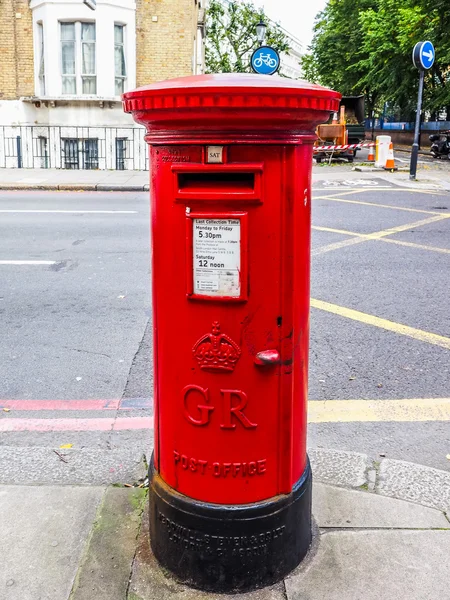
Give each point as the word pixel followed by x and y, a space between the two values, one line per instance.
pixel 90 42
pixel 123 45
pixel 78 76
pixel 41 63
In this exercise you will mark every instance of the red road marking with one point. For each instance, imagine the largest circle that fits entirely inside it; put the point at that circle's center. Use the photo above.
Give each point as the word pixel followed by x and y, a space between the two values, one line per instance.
pixel 101 424
pixel 106 404
pixel 60 404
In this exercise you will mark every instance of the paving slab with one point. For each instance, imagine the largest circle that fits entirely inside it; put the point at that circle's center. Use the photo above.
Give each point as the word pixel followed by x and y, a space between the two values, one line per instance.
pixel 335 507
pixel 105 569
pixel 150 582
pixel 374 565
pixel 80 466
pixel 410 481
pixel 43 534
pixel 347 469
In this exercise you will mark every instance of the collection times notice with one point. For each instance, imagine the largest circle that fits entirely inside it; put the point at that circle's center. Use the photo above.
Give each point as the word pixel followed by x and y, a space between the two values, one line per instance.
pixel 217 257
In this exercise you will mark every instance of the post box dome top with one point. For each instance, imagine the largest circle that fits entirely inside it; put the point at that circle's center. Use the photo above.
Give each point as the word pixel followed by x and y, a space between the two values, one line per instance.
pixel 231 100
pixel 239 90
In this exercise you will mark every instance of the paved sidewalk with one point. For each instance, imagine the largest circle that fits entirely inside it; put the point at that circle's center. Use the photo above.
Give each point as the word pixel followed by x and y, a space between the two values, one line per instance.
pixel 381 531
pixel 62 179
pixel 137 181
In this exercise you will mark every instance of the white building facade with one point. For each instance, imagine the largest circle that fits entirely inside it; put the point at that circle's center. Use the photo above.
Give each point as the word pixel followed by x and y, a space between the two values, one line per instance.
pixel 85 57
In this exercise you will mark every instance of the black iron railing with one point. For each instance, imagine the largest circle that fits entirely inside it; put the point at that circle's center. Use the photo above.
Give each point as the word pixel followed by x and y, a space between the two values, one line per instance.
pixel 61 147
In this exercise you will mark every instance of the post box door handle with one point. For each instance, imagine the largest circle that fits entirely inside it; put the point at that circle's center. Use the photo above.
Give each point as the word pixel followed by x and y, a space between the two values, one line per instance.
pixel 268 357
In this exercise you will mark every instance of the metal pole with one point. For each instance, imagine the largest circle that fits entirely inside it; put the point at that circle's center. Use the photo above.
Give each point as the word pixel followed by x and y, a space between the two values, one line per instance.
pixel 415 146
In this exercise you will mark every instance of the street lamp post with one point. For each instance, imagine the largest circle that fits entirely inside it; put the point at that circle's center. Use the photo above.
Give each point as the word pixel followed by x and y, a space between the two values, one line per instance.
pixel 261 29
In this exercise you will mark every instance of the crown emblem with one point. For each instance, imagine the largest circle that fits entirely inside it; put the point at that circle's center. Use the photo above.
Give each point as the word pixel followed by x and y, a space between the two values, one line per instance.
pixel 216 351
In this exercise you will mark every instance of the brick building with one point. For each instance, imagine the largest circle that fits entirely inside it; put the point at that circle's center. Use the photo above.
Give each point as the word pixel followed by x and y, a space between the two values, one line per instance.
pixel 64 65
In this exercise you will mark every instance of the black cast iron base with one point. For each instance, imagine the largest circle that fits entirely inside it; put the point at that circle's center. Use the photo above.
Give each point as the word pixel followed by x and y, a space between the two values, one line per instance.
pixel 226 548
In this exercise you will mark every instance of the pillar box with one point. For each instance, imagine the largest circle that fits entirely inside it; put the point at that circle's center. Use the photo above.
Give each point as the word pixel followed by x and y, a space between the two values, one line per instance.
pixel 230 180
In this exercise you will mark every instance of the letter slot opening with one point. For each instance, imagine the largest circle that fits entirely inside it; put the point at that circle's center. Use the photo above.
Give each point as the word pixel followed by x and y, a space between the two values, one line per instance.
pixel 224 182
pixel 216 182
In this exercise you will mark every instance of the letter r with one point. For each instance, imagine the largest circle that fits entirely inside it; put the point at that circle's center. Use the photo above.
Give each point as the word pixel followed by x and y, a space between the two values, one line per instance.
pixel 235 411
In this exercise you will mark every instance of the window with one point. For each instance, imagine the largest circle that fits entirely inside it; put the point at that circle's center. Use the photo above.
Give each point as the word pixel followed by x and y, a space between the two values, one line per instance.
pixel 78 58
pixel 90 151
pixel 72 148
pixel 43 151
pixel 88 58
pixel 68 53
pixel 41 72
pixel 121 153
pixel 119 59
pixel 70 154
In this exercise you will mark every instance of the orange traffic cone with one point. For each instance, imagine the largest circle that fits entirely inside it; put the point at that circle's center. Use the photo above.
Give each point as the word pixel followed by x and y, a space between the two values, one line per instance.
pixel 390 163
pixel 371 156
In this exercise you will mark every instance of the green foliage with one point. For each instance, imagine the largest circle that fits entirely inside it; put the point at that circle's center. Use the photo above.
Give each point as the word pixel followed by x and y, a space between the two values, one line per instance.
pixel 365 46
pixel 231 36
pixel 336 47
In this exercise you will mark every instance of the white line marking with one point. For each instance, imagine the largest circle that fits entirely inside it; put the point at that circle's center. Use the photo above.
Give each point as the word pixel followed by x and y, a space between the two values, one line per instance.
pixel 77 212
pixel 27 262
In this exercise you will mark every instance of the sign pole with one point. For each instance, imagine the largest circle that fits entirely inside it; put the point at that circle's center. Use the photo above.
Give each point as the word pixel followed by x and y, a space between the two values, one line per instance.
pixel 415 147
pixel 423 59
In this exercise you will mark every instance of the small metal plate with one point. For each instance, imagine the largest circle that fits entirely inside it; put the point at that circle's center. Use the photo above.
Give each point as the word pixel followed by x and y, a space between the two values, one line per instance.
pixel 214 154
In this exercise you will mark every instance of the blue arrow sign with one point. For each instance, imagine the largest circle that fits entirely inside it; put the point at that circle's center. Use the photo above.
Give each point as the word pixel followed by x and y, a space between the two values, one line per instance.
pixel 423 55
pixel 265 60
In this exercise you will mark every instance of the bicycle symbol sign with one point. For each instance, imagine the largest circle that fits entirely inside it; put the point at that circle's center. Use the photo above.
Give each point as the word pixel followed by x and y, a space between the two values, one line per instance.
pixel 265 60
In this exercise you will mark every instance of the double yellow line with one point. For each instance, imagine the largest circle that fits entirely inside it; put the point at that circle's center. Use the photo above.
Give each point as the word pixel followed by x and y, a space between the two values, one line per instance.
pixel 409 410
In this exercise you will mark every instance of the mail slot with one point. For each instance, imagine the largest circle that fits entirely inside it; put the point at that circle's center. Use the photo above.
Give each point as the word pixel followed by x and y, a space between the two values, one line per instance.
pixel 214 182
pixel 230 481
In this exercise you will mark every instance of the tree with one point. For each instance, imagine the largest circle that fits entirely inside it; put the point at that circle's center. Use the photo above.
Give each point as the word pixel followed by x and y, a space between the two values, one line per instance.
pixel 335 50
pixel 231 36
pixel 365 46
pixel 385 63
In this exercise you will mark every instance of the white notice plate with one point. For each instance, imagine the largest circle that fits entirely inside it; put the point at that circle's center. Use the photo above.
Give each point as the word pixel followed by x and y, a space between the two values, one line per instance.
pixel 217 257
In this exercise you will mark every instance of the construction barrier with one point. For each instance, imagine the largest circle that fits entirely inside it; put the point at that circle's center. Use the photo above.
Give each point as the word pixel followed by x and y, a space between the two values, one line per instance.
pixel 343 147
pixel 382 150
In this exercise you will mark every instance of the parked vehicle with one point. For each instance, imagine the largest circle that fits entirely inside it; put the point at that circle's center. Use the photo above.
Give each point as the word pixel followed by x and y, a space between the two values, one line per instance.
pixel 354 118
pixel 348 128
pixel 440 144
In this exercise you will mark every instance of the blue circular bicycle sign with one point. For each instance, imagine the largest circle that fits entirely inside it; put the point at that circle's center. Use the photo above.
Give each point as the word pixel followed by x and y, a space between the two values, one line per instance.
pixel 265 60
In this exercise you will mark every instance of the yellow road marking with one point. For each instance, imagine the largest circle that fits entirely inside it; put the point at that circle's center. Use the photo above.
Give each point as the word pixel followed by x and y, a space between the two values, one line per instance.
pixel 398 328
pixel 406 226
pixel 347 192
pixel 336 191
pixel 417 210
pixel 363 237
pixel 347 411
pixel 381 239
pixel 338 245
pixel 340 231
pixel 419 246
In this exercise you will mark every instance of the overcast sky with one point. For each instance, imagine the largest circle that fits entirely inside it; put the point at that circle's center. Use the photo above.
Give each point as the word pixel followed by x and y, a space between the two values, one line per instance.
pixel 297 16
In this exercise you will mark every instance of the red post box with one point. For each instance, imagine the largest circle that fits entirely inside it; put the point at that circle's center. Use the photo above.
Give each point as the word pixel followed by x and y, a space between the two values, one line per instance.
pixel 230 171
